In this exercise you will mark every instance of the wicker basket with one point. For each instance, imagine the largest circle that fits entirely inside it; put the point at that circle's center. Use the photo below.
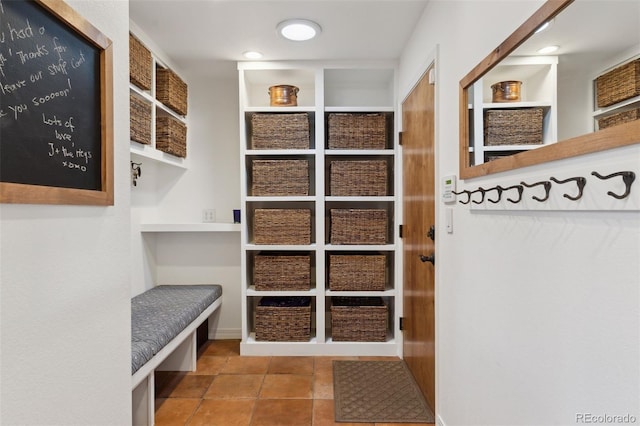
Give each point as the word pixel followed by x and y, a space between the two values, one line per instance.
pixel 357 131
pixel 361 272
pixel 280 131
pixel 619 118
pixel 518 126
pixel 280 177
pixel 282 272
pixel 282 226
pixel 171 136
pixel 618 84
pixel 140 120
pixel 359 319
pixel 359 226
pixel 171 90
pixel 140 66
pixel 359 178
pixel 283 319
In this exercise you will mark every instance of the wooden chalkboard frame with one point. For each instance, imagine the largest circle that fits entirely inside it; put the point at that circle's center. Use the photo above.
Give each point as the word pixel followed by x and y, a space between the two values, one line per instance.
pixel 37 194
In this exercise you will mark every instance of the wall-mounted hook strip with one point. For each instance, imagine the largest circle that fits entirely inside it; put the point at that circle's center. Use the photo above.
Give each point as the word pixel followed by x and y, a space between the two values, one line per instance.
pixel 499 190
pixel 580 182
pixel 520 189
pixel 480 190
pixel 627 178
pixel 547 189
pixel 468 194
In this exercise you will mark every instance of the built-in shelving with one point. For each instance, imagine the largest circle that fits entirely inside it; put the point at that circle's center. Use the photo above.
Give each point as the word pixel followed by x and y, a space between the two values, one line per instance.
pixel 190 227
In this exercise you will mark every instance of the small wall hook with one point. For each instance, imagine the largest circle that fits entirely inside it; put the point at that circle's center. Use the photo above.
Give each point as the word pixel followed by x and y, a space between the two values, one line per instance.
pixel 467 192
pixel 480 190
pixel 499 190
pixel 547 189
pixel 136 172
pixel 520 189
pixel 580 182
pixel 627 178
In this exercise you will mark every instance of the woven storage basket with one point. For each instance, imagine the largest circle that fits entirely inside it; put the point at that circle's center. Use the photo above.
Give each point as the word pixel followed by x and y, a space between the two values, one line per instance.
pixel 283 319
pixel 140 120
pixel 282 272
pixel 140 66
pixel 349 272
pixel 171 136
pixel 359 178
pixel 280 131
pixel 359 319
pixel 171 90
pixel 619 118
pixel 618 84
pixel 357 131
pixel 280 177
pixel 358 226
pixel 519 126
pixel 282 226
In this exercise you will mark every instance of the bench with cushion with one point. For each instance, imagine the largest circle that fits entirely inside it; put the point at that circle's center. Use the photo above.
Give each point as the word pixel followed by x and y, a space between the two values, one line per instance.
pixel 164 321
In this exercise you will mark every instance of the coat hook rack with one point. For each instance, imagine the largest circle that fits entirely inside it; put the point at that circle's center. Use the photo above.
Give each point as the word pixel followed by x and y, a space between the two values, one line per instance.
pixel 627 177
pixel 467 193
pixel 136 172
pixel 520 189
pixel 547 189
pixel 580 182
pixel 499 190
pixel 482 191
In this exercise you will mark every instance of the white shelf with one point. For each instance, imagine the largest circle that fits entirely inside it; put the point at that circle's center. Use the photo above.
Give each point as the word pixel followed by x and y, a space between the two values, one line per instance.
pixel 508 105
pixel 501 148
pixel 190 227
pixel 280 109
pixel 620 106
pixel 389 152
pixel 358 109
pixel 281 198
pixel 387 198
pixel 151 153
pixel 386 293
pixel 287 152
pixel 251 291
pixel 346 247
pixel 276 247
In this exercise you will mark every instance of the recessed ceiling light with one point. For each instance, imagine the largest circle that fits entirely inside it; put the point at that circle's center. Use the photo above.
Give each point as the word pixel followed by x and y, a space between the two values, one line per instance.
pixel 252 54
pixel 544 26
pixel 298 29
pixel 548 49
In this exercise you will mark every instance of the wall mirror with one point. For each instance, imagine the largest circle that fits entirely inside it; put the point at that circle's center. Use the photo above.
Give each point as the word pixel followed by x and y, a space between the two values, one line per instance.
pixel 553 112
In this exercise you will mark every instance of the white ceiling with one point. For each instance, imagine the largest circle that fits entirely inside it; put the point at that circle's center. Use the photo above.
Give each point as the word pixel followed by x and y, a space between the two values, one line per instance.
pixel 211 35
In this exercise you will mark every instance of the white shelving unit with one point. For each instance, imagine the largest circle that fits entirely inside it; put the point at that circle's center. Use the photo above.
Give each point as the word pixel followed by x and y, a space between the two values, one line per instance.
pixel 618 107
pixel 324 88
pixel 538 75
pixel 157 109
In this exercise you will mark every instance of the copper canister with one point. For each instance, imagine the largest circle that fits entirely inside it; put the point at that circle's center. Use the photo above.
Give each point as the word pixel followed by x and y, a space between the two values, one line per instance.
pixel 283 95
pixel 506 91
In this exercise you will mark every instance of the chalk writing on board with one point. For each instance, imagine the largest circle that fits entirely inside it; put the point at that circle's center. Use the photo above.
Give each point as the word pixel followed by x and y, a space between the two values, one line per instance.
pixel 49 100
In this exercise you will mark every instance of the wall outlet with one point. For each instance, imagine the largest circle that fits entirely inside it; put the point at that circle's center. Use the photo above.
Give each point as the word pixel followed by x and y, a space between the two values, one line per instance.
pixel 209 215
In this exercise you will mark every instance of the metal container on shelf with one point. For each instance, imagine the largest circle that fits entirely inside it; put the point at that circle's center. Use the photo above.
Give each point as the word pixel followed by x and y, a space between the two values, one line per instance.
pixel 506 91
pixel 283 95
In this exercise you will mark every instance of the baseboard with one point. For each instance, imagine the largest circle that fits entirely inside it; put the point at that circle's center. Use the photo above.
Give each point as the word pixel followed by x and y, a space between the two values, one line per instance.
pixel 439 421
pixel 225 334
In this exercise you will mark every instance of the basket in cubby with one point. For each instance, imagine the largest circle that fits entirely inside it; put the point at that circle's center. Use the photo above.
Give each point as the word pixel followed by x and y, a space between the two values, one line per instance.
pixel 359 226
pixel 282 271
pixel 280 131
pixel 171 136
pixel 140 64
pixel 513 126
pixel 283 319
pixel 359 319
pixel 358 178
pixel 282 226
pixel 171 90
pixel 357 272
pixel 357 130
pixel 619 84
pixel 619 118
pixel 140 120
pixel 279 177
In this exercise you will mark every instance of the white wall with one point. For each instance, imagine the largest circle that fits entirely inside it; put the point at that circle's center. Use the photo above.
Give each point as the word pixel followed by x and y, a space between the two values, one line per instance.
pixel 537 311
pixel 64 282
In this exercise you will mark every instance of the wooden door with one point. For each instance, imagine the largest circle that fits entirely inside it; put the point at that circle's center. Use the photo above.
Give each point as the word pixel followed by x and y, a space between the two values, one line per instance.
pixel 418 217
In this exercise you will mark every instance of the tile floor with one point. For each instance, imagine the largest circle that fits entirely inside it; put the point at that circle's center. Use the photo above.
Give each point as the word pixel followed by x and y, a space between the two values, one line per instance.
pixel 228 389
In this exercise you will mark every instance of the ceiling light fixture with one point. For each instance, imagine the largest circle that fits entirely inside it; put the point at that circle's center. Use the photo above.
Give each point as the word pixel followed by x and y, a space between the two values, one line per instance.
pixel 252 54
pixel 298 29
pixel 548 49
pixel 544 26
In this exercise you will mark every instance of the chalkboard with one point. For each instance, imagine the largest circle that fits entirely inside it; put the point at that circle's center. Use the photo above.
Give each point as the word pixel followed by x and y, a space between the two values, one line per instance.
pixel 51 102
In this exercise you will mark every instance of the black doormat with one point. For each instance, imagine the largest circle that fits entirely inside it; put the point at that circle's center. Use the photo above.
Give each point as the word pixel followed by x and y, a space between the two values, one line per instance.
pixel 377 392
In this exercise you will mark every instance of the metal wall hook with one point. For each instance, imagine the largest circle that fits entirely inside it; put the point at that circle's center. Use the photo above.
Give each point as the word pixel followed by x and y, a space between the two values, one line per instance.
pixel 547 189
pixel 627 178
pixel 580 182
pixel 520 189
pixel 480 190
pixel 136 172
pixel 499 190
pixel 467 192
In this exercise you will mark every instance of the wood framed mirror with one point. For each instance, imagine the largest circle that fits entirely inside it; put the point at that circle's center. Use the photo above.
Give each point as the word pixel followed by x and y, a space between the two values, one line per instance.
pixel 570 115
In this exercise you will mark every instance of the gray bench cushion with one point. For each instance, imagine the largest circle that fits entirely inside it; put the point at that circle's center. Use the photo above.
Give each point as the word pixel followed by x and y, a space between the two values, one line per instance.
pixel 161 313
